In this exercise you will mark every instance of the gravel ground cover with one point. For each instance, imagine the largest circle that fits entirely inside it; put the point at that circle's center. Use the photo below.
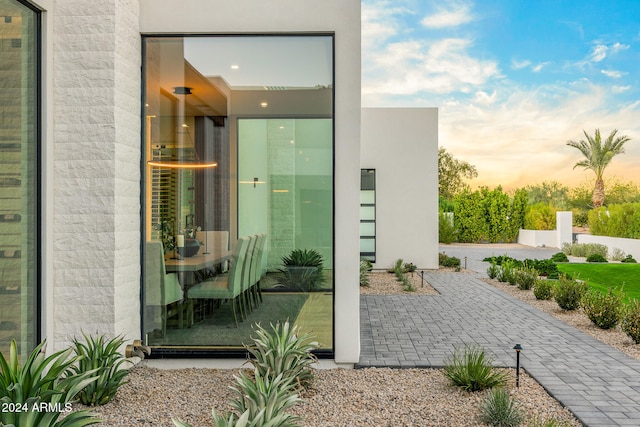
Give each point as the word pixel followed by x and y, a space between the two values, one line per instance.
pixel 339 397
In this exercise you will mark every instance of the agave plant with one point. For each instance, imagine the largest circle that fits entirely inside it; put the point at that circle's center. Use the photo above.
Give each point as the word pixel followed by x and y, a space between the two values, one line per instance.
pixel 283 352
pixel 303 269
pixel 104 357
pixel 40 391
pixel 261 401
pixel 266 399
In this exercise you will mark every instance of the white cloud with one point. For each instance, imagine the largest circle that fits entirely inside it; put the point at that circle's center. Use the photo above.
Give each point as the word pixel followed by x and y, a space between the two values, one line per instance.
pixel 599 53
pixel 617 47
pixel 620 89
pixel 518 65
pixel 411 67
pixel 538 67
pixel 458 15
pixel 613 73
pixel 482 97
pixel 379 23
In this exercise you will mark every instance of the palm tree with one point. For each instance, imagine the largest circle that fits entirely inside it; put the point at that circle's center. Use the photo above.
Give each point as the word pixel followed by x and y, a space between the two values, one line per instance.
pixel 597 158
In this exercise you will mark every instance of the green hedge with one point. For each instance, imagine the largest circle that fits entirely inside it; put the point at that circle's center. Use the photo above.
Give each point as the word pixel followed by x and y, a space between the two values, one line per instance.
pixel 489 215
pixel 618 221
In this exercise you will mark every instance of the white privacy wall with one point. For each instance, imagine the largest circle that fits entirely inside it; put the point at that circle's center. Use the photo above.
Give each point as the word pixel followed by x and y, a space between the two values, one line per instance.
pixel 401 144
pixel 341 17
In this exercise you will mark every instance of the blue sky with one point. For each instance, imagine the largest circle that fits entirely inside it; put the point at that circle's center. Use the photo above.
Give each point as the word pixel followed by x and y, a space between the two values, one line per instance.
pixel 514 80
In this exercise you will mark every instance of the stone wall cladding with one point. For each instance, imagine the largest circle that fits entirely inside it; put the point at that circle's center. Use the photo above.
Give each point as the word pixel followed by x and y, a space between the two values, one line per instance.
pixel 96 117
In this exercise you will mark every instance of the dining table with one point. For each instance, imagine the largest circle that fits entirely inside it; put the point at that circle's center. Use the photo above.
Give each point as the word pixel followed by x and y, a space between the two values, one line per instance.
pixel 197 262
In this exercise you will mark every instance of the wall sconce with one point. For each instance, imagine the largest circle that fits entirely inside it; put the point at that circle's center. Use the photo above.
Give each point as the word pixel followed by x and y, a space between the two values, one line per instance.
pixel 255 182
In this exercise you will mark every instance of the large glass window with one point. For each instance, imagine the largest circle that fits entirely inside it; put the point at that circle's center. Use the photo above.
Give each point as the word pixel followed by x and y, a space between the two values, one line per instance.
pixel 238 218
pixel 19 32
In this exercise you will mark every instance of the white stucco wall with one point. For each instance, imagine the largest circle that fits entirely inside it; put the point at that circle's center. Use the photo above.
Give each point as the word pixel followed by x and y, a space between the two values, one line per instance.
pixel 401 144
pixel 343 18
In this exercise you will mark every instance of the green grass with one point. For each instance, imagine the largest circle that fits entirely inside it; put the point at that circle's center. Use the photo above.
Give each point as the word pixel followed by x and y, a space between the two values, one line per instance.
pixel 604 276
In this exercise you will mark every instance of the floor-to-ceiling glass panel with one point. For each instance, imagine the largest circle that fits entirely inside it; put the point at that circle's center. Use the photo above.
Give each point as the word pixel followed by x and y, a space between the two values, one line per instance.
pixel 286 191
pixel 18 175
pixel 238 175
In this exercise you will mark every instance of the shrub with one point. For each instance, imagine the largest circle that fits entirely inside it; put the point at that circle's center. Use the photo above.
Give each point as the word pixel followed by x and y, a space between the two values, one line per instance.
pixel 540 216
pixel 604 310
pixel 396 267
pixel 543 289
pixel 500 409
pixel 447 232
pixel 493 270
pixel 585 249
pixel 629 259
pixel 471 370
pixel 596 258
pixel 502 258
pixel 104 357
pixel 283 352
pixel 508 272
pixel 42 380
pixel 449 261
pixel 407 285
pixel 617 254
pixel 525 277
pixel 409 267
pixel 365 269
pixel 544 267
pixel 568 292
pixel 559 257
pixel 631 321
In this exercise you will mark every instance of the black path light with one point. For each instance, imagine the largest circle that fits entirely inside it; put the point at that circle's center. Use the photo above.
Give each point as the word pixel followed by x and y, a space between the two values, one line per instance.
pixel 517 348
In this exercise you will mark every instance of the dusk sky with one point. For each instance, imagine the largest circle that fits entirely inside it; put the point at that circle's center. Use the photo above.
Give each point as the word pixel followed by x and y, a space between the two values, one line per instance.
pixel 513 80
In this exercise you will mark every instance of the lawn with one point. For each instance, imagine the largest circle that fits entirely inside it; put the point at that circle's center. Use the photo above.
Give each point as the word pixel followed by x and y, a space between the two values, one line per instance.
pixel 602 276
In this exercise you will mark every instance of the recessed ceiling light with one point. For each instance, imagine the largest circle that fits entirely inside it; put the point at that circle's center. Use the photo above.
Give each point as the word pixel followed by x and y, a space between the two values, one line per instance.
pixel 235 67
pixel 264 104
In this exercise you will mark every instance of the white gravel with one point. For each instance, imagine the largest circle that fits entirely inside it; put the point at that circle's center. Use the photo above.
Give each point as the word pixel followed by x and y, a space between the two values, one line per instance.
pixel 339 397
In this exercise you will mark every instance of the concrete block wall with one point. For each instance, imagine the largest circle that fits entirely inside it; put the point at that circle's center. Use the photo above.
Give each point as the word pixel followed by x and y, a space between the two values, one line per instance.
pixel 95 160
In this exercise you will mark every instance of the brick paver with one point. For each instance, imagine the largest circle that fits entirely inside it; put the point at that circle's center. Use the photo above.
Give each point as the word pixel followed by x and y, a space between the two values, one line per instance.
pixel 599 384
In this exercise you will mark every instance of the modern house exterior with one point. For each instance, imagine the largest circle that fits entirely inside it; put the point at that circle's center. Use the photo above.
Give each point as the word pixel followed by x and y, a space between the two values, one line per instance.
pixel 154 154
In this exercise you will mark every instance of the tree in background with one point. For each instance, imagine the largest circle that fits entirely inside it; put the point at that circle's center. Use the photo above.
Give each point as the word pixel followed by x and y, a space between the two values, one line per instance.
pixel 451 175
pixel 598 156
pixel 551 193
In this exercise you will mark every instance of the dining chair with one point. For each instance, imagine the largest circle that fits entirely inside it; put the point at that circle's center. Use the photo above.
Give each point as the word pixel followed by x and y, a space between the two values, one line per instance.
pixel 246 277
pixel 226 287
pixel 163 289
pixel 256 268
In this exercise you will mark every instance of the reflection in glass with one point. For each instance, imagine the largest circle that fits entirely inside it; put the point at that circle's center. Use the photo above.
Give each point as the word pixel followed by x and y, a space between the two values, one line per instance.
pixel 238 176
pixel 18 176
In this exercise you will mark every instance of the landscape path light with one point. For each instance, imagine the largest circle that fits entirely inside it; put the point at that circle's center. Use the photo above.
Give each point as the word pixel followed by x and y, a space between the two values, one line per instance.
pixel 517 348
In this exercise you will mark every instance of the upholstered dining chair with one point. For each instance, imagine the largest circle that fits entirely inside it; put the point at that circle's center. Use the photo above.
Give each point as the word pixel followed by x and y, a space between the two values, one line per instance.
pixel 226 287
pixel 256 268
pixel 162 289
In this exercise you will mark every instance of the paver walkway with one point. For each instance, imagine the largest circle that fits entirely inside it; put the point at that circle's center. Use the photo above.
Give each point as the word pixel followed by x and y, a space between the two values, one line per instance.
pixel 597 383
